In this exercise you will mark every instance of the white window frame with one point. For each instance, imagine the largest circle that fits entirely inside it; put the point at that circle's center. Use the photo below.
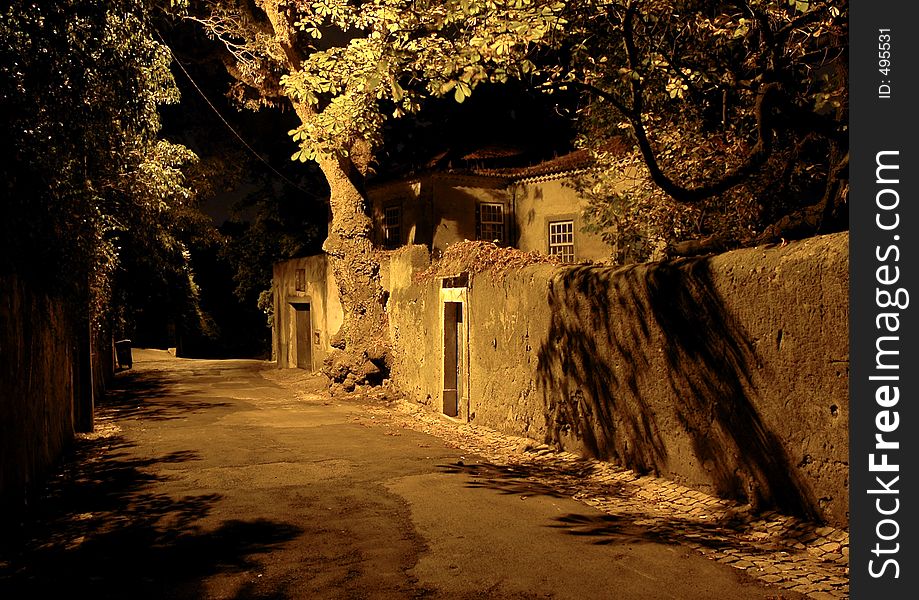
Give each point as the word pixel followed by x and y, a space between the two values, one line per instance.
pixel 392 227
pixel 492 227
pixel 561 240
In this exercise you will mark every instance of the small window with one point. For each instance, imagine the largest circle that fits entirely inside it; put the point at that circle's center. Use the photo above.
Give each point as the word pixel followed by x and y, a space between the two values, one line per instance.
pixel 300 284
pixel 491 222
pixel 392 227
pixel 561 240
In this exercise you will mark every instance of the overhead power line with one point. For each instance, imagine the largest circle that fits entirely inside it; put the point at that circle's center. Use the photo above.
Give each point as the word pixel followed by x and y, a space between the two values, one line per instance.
pixel 227 124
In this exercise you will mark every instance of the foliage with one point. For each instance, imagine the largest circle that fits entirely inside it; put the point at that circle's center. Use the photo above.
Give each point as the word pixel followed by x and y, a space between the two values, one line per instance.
pixel 80 87
pixel 737 111
pixel 479 256
pixel 266 305
pixel 155 241
pixel 269 226
pixel 628 212
pixel 357 64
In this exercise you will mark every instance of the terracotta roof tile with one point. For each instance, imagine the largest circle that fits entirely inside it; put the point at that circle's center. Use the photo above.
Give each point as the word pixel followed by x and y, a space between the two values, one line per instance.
pixel 567 163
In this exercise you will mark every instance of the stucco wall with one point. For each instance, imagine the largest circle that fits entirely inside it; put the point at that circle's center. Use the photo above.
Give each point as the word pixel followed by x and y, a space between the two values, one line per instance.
pixel 726 373
pixel 321 292
pixel 415 320
pixel 415 210
pixel 438 210
pixel 37 388
pixel 540 201
pixel 455 200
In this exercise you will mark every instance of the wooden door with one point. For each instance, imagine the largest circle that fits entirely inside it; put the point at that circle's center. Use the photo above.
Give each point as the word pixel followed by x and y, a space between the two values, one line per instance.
pixel 304 334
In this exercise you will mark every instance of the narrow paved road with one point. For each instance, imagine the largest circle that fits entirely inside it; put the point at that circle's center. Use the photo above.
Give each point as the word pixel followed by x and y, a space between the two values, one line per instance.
pixel 208 480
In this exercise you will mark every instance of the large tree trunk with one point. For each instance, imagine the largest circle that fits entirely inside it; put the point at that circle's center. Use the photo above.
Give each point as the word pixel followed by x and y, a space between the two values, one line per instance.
pixel 362 342
pixel 363 335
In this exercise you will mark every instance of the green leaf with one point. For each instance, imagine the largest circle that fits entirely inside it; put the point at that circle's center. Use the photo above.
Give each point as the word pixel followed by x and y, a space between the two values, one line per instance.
pixel 397 92
pixel 373 82
pixel 460 94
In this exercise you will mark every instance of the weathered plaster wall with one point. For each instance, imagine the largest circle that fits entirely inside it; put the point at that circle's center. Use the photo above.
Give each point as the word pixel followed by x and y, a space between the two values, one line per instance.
pixel 540 201
pixel 455 199
pixel 37 388
pixel 321 291
pixel 414 324
pixel 726 373
pixel 438 210
pixel 415 210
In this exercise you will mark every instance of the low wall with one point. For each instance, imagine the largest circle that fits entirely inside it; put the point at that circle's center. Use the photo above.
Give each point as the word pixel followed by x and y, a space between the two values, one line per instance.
pixel 725 373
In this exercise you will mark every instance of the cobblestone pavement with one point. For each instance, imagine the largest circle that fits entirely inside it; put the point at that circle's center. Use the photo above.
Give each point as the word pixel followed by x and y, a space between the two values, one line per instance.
pixel 779 549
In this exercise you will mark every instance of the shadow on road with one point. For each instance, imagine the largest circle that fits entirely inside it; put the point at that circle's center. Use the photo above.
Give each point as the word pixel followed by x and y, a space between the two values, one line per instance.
pixel 523 480
pixel 564 479
pixel 102 530
pixel 636 529
pixel 151 395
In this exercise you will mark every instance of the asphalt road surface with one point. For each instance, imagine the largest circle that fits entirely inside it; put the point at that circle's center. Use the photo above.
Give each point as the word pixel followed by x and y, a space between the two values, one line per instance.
pixel 206 479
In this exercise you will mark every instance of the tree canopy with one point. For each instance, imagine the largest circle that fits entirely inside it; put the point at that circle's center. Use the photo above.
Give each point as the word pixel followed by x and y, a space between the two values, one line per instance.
pixel 87 176
pixel 718 98
pixel 737 112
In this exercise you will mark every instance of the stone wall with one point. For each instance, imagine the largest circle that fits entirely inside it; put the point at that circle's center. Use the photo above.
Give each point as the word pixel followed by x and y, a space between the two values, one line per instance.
pixel 38 386
pixel 725 373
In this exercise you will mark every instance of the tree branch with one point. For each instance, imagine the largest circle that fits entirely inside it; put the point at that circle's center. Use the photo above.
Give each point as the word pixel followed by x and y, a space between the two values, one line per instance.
pixel 757 157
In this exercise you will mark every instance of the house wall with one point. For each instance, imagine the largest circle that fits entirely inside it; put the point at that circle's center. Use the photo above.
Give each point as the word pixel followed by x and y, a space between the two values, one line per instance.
pixel 454 205
pixel 441 209
pixel 321 291
pixel 415 210
pixel 538 202
pixel 725 373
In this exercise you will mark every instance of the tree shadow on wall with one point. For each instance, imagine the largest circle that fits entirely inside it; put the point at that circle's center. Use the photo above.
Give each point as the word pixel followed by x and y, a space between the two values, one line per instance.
pixel 620 337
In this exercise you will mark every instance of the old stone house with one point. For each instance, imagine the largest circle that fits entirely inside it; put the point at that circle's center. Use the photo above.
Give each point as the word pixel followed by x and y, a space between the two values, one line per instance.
pixel 533 208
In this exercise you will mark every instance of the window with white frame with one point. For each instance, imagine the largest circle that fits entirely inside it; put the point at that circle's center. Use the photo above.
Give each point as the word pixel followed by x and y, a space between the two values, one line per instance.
pixel 491 222
pixel 561 240
pixel 392 227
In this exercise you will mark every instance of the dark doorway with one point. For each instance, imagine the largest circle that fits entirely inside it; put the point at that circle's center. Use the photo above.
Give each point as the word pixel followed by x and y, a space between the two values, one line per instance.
pixel 453 357
pixel 304 334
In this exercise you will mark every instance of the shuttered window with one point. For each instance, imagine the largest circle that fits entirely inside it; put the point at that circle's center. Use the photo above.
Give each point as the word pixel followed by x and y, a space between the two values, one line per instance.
pixel 392 227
